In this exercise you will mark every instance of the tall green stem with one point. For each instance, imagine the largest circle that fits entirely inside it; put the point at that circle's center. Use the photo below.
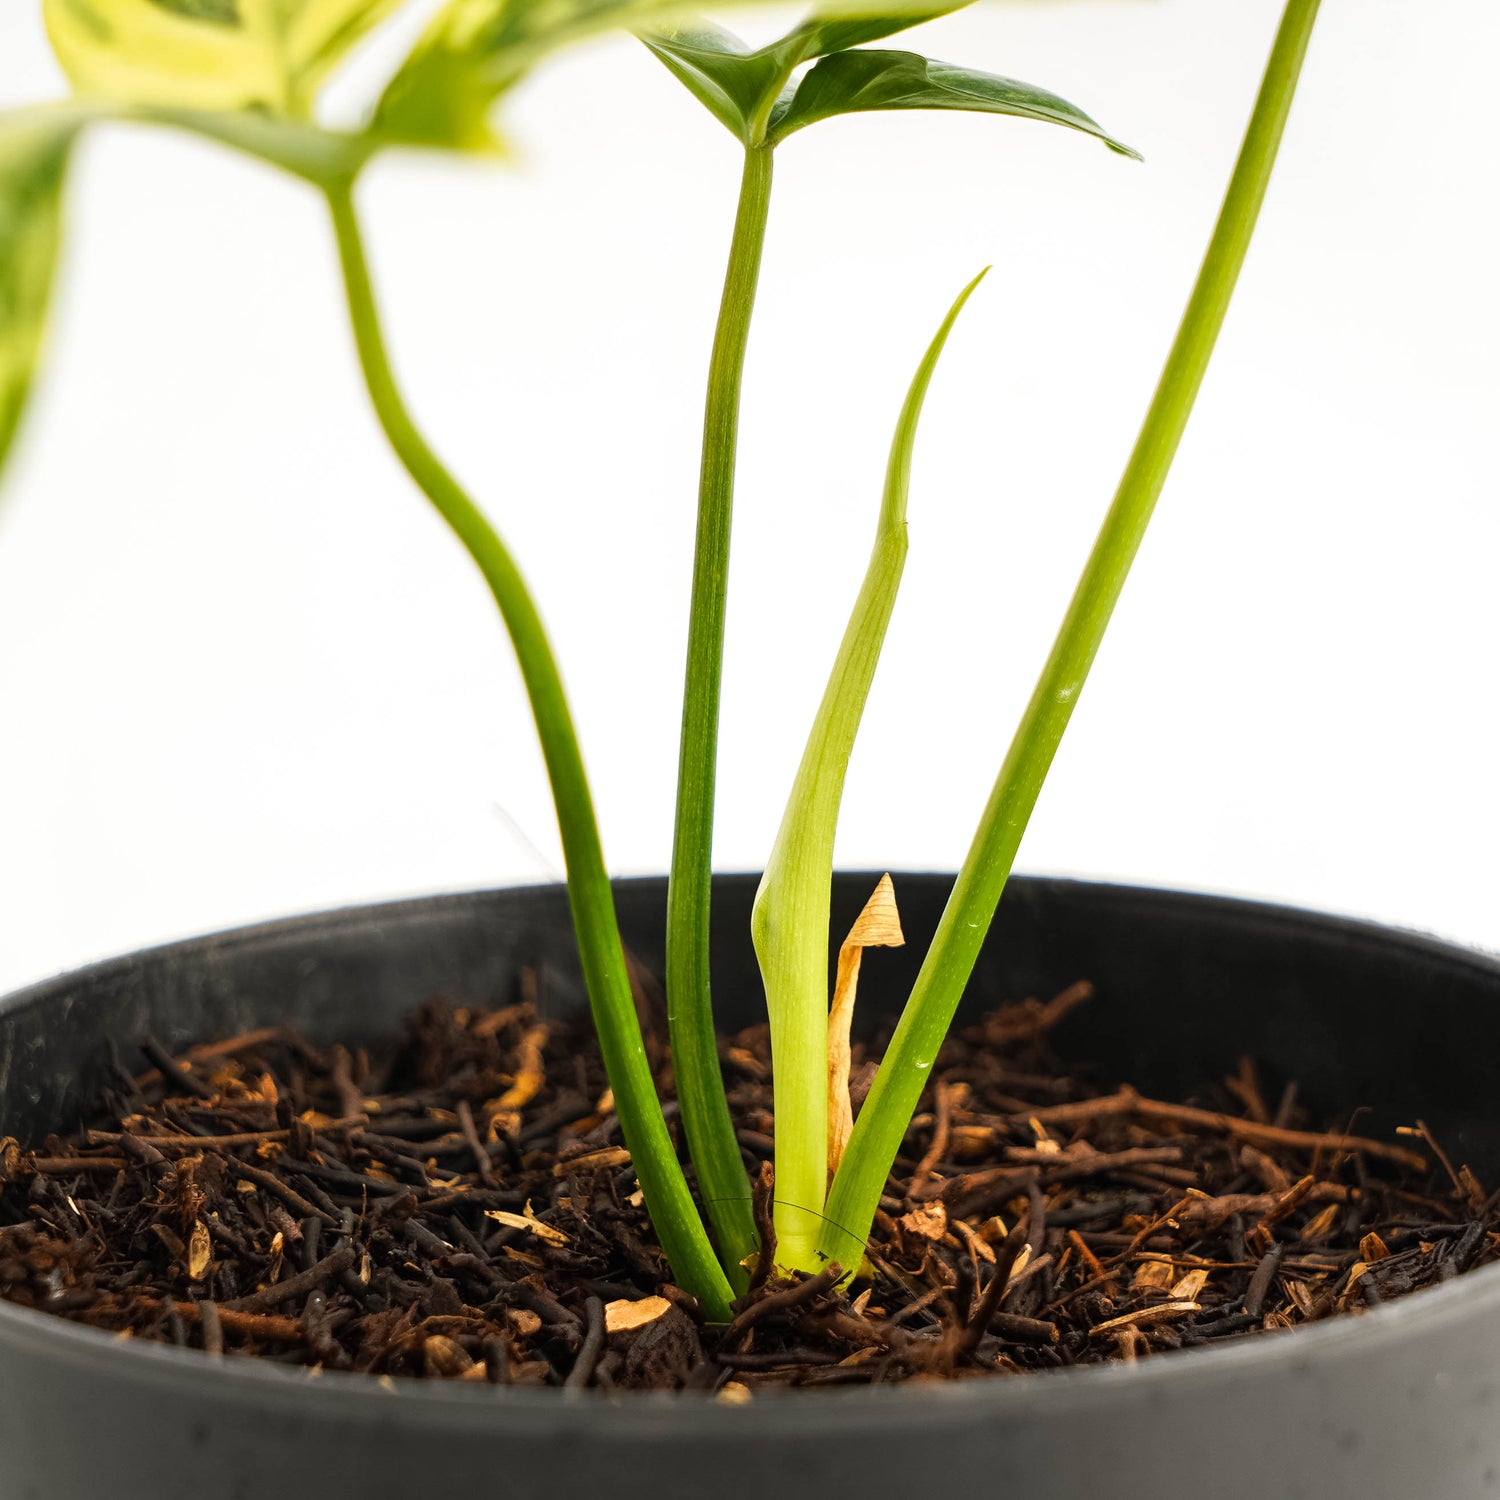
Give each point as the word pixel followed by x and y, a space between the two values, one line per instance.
pixel 950 960
pixel 722 1181
pixel 673 1212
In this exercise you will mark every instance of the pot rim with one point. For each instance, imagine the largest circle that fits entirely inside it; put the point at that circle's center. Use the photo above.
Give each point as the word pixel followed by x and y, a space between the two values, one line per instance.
pixel 1372 1334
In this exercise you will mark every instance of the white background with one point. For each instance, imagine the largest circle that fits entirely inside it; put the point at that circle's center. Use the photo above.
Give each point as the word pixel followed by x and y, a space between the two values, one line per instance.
pixel 244 672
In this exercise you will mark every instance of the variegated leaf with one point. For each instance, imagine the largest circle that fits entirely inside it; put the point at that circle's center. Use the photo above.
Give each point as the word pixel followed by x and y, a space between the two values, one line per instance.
pixel 208 54
pixel 34 150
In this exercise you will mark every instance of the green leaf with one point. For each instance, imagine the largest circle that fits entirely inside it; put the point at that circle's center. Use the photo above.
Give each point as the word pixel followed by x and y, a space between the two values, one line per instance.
pixel 473 51
pixel 208 54
pixel 718 70
pixel 854 82
pixel 34 151
pixel 739 85
pixel 789 922
pixel 828 32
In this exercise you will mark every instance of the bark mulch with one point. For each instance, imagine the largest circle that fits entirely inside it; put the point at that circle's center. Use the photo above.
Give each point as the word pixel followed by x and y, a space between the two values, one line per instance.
pixel 461 1206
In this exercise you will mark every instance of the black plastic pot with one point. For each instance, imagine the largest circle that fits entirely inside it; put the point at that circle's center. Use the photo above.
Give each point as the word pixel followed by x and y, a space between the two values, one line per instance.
pixel 1402 1401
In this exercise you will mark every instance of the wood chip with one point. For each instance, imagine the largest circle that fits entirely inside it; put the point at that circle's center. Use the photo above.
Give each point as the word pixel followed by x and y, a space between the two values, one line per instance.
pixel 993 1230
pixel 1154 1273
pixel 628 1315
pixel 978 1247
pixel 968 1141
pixel 531 1074
pixel 1144 1317
pixel 175 1248
pixel 1474 1194
pixel 528 1221
pixel 593 1161
pixel 1298 1292
pixel 929 1222
pixel 1357 1270
pixel 1188 1288
pixel 445 1357
pixel 1321 1225
pixel 522 1322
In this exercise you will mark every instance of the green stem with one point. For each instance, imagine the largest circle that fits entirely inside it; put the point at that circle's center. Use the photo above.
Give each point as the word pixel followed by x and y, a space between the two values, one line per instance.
pixel 722 1181
pixel 673 1212
pixel 950 960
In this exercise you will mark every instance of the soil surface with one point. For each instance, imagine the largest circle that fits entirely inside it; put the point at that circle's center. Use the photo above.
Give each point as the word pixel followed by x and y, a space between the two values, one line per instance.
pixel 460 1206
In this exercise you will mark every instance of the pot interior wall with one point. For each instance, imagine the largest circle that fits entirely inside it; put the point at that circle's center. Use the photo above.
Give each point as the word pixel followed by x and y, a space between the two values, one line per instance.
pixel 1359 1016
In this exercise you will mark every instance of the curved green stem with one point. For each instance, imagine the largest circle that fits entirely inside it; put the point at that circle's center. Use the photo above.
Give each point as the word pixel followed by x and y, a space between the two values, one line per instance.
pixel 673 1212
pixel 722 1181
pixel 950 960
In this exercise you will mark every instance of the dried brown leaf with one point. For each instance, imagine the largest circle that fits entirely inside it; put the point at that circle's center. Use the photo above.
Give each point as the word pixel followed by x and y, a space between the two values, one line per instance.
pixel 199 1251
pixel 877 926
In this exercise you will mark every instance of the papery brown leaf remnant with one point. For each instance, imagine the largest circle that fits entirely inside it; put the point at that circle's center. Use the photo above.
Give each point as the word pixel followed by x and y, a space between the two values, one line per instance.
pixel 200 1252
pixel 877 926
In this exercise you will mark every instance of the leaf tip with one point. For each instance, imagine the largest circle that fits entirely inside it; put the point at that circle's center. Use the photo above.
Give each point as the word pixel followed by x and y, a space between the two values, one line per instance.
pixel 879 924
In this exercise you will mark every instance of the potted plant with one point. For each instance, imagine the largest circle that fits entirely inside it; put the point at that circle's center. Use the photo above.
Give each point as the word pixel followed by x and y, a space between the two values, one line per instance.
pixel 247 76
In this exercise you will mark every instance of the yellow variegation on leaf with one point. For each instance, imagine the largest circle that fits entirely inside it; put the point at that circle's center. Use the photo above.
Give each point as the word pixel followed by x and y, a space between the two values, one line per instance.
pixel 208 54
pixel 34 148
pixel 474 50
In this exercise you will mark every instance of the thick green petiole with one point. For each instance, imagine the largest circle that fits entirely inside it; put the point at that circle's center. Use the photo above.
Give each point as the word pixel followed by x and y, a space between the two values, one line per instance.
pixel 950 960
pixel 722 1180
pixel 790 919
pixel 673 1213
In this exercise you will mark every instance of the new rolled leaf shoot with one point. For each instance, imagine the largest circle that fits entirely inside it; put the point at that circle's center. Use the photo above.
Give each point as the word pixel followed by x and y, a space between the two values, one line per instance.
pixel 789 922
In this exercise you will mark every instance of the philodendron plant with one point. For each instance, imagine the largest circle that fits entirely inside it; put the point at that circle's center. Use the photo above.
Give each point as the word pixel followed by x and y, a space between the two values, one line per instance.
pixel 247 73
